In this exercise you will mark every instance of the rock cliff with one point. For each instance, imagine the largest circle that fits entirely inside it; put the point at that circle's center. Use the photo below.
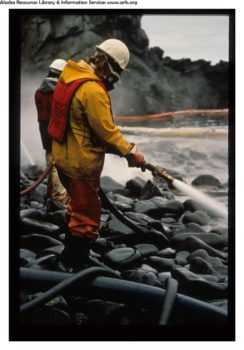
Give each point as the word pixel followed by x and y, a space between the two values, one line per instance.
pixel 153 84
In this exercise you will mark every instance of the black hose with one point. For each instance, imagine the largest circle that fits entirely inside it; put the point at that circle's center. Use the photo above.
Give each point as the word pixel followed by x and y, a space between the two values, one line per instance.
pixel 107 204
pixel 169 300
pixel 150 167
pixel 151 235
pixel 62 286
pixel 135 294
pixel 105 201
pixel 98 263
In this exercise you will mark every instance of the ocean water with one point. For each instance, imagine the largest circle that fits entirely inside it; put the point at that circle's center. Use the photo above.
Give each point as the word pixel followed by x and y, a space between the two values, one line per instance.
pixel 199 147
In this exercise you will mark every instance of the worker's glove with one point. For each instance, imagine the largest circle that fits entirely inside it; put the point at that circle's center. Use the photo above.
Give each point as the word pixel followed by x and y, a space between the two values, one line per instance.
pixel 136 159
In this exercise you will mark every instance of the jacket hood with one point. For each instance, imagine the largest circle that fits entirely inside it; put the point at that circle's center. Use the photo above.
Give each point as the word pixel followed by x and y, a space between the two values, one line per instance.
pixel 74 71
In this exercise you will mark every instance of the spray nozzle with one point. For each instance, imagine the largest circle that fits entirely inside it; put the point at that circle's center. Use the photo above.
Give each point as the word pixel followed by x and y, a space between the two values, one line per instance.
pixel 158 171
pixel 210 205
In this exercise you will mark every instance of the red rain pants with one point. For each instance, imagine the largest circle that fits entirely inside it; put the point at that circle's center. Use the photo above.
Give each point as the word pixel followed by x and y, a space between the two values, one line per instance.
pixel 84 207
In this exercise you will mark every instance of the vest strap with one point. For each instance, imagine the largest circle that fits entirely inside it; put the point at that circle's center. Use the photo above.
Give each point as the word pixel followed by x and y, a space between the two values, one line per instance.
pixel 62 98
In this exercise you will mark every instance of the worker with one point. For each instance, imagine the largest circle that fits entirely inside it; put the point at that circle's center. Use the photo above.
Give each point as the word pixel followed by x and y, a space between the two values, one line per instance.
pixel 43 101
pixel 83 130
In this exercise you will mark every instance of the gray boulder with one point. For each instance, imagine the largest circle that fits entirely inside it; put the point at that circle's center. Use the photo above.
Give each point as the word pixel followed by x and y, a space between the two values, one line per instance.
pixel 206 180
pixel 39 226
pixel 179 241
pixel 136 185
pixel 199 217
pixel 110 185
pixel 151 190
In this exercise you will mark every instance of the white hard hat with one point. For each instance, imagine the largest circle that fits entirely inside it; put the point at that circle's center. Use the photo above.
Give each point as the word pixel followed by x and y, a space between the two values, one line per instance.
pixel 58 64
pixel 117 50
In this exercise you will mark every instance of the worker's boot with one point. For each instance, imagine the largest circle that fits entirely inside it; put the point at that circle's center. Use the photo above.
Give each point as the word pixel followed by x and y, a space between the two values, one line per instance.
pixel 76 251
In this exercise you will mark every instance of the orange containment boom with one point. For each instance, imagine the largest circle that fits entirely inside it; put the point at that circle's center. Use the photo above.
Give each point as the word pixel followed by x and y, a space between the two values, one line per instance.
pixel 164 115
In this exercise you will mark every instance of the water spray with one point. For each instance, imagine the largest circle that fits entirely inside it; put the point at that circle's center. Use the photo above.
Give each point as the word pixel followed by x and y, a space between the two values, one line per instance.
pixel 212 206
pixel 27 153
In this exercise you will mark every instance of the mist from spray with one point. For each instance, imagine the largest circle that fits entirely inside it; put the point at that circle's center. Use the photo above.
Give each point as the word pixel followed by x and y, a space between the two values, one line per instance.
pixel 117 168
pixel 213 207
pixel 27 153
pixel 31 147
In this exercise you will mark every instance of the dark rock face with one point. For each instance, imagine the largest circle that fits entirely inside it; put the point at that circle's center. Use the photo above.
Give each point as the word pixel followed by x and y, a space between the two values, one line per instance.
pixel 167 84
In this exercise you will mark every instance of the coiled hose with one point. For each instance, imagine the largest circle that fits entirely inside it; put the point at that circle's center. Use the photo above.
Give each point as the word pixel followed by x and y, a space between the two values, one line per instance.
pixel 191 310
pixel 64 285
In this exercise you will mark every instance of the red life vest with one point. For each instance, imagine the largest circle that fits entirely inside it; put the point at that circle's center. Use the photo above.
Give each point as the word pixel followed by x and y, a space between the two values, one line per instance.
pixel 62 98
pixel 43 105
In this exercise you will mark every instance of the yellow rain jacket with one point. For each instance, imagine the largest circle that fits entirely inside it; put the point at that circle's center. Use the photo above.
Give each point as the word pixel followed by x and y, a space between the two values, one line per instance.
pixel 90 129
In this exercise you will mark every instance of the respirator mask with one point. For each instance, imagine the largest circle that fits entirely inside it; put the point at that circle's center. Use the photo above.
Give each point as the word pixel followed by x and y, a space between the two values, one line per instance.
pixel 110 81
pixel 114 77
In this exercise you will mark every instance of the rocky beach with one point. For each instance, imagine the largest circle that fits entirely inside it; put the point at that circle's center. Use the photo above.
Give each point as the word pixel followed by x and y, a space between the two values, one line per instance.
pixel 173 237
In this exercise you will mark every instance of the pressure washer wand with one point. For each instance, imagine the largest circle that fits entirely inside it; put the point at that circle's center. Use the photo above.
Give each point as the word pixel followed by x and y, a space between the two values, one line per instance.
pixel 209 204
pixel 158 171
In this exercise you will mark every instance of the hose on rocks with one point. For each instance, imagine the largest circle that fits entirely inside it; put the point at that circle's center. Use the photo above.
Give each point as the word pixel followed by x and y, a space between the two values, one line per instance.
pixel 105 201
pixel 107 204
pixel 60 288
pixel 127 292
pixel 37 182
pixel 169 300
